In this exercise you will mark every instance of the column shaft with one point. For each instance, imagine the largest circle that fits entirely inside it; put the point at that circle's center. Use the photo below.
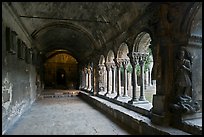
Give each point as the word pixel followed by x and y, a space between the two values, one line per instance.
pixel 125 82
pixel 113 79
pixel 142 97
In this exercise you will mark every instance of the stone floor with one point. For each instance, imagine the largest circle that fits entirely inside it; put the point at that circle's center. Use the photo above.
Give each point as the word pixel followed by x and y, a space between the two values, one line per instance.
pixel 65 116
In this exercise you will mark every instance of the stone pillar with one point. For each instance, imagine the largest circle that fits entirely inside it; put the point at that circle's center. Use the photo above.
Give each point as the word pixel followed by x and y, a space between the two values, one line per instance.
pixel 108 67
pixel 142 58
pixel 105 77
pixel 118 65
pixel 129 81
pixel 125 64
pixel 89 79
pixel 150 70
pixel 145 79
pixel 80 80
pixel 149 77
pixel 133 60
pixel 113 78
pixel 83 79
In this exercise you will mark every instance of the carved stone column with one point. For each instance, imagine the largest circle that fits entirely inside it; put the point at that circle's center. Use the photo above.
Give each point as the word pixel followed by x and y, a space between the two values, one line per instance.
pixel 86 81
pixel 80 79
pixel 108 67
pixel 133 61
pixel 118 65
pixel 142 58
pixel 113 78
pixel 129 81
pixel 125 64
pixel 89 78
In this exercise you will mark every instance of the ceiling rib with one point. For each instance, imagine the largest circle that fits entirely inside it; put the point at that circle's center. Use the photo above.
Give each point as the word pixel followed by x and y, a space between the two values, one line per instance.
pixel 78 20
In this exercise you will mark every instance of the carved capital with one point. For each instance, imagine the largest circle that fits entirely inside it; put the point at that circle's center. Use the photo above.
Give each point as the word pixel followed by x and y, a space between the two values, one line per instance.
pixel 113 66
pixel 85 70
pixel 142 58
pixel 118 62
pixel 108 66
pixel 125 63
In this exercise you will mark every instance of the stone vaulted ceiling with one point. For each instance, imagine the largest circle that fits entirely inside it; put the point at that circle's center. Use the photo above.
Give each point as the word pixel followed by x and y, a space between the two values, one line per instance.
pixel 78 27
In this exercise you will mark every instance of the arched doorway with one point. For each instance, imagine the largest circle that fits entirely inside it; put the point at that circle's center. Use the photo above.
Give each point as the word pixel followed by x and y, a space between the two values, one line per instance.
pixel 61 71
pixel 61 78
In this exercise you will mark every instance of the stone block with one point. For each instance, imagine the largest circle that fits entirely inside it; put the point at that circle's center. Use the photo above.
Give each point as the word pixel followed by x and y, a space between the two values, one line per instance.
pixel 158 103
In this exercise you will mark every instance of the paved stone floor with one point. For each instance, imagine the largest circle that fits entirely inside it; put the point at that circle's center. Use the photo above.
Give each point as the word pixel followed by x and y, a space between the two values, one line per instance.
pixel 65 116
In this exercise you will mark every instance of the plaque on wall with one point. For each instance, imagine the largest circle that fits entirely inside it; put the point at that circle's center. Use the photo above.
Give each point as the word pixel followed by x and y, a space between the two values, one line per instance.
pixel 11 41
pixel 21 49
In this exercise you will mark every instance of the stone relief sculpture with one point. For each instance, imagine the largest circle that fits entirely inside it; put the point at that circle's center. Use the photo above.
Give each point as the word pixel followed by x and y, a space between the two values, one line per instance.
pixel 183 83
pixel 183 74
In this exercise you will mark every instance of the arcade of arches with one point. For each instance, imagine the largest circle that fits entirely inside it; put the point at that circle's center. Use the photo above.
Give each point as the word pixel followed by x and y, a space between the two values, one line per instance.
pixel 143 56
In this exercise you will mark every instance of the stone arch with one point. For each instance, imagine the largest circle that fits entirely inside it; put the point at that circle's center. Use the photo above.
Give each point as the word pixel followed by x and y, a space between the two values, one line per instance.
pixel 69 25
pixel 188 20
pixel 194 48
pixel 110 56
pixel 102 60
pixel 141 45
pixel 142 42
pixel 123 51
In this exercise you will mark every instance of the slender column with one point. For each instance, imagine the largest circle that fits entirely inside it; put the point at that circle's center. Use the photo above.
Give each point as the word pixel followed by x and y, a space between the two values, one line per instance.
pixel 145 80
pixel 86 76
pixel 113 78
pixel 89 79
pixel 125 64
pixel 133 60
pixel 108 67
pixel 150 70
pixel 105 78
pixel 142 58
pixel 118 65
pixel 80 79
pixel 129 81
pixel 149 77
pixel 83 79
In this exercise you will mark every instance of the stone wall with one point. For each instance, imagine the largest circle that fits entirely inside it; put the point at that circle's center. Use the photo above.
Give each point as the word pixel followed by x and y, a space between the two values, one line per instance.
pixel 18 77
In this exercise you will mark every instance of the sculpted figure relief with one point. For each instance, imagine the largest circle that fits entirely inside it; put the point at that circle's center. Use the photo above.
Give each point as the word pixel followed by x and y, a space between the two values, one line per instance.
pixel 183 102
pixel 183 74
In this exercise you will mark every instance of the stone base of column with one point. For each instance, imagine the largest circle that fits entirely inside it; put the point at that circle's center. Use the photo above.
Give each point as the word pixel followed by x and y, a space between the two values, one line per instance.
pixel 116 97
pixel 141 102
pixel 85 88
pixel 159 119
pixel 106 94
pixel 142 98
pixel 158 115
pixel 124 95
pixel 92 92
pixel 133 101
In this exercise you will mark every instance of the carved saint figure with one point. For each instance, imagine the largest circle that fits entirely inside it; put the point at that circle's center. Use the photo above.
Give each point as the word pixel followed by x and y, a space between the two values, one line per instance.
pixel 183 80
pixel 183 102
